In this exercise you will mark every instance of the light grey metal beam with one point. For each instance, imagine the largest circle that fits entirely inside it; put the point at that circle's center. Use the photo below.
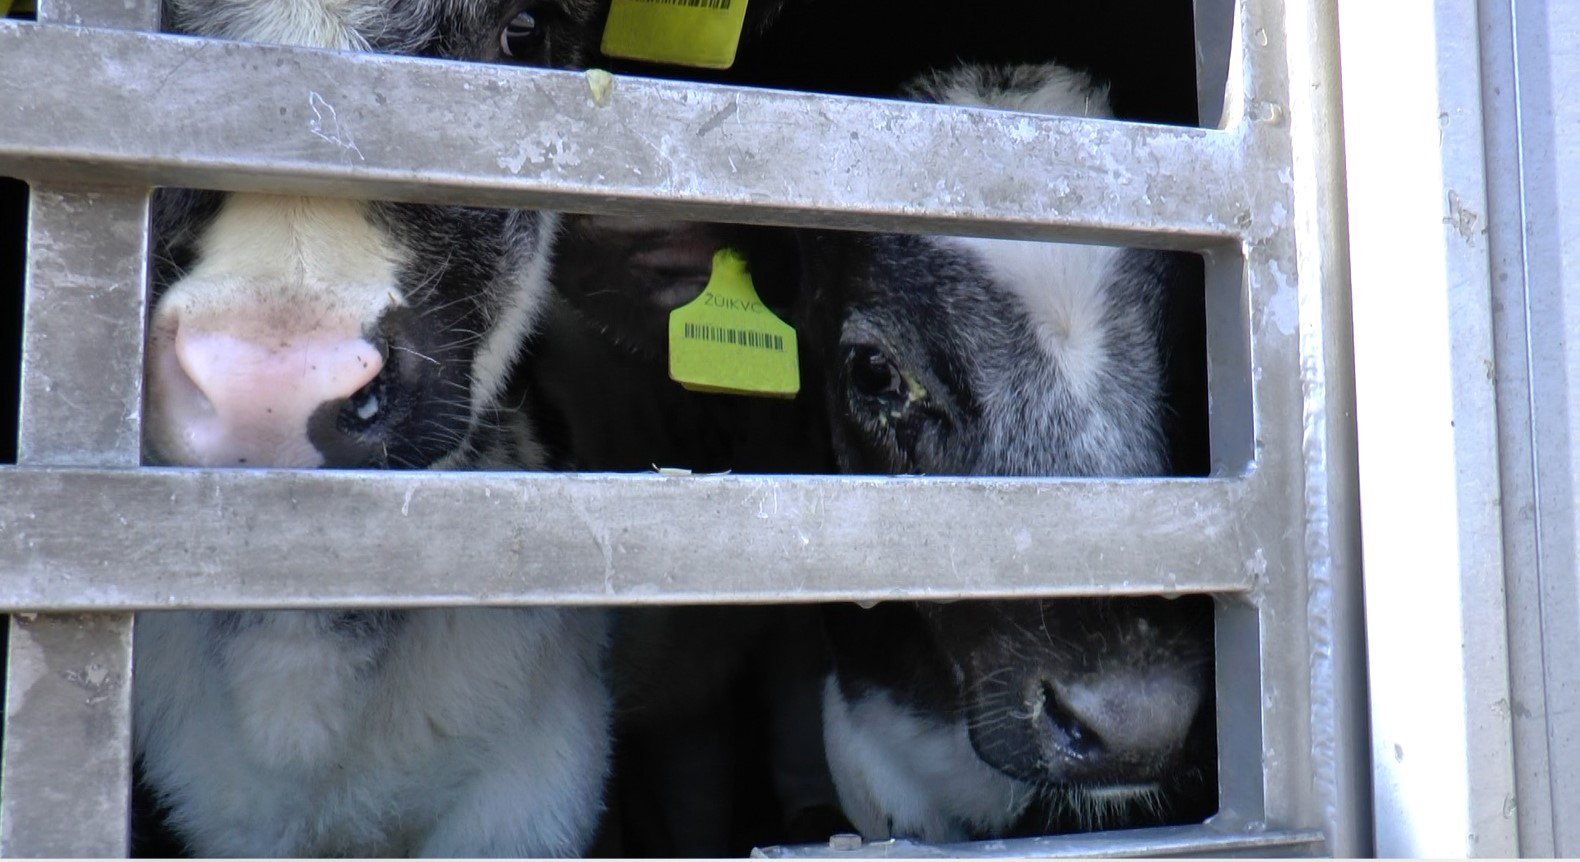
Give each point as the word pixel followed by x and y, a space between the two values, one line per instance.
pixel 1214 21
pixel 67 768
pixel 82 391
pixel 88 539
pixel 1533 147
pixel 66 762
pixel 138 108
pixel 1334 601
pixel 119 14
pixel 1427 416
pixel 1172 841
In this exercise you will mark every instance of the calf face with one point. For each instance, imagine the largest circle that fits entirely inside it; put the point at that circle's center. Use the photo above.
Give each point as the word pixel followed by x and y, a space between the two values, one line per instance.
pixel 304 332
pixel 962 356
pixel 292 331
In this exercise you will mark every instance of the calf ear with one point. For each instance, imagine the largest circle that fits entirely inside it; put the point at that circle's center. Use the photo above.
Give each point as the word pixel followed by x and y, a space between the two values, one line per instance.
pixel 625 275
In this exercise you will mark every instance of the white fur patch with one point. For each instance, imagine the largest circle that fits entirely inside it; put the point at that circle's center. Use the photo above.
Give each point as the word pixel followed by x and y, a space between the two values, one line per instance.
pixel 1066 93
pixel 1062 287
pixel 481 732
pixel 903 775
pixel 306 23
pixel 529 288
pixel 296 260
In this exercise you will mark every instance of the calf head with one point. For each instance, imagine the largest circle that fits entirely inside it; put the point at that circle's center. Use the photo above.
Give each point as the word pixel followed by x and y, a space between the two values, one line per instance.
pixel 303 332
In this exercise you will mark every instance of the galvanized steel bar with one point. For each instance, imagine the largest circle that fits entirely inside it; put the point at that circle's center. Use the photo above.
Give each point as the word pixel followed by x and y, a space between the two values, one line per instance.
pixel 1258 414
pixel 1442 744
pixel 67 768
pixel 1335 658
pixel 1214 39
pixel 66 762
pixel 82 349
pixel 118 14
pixel 1533 226
pixel 139 108
pixel 1172 841
pixel 97 539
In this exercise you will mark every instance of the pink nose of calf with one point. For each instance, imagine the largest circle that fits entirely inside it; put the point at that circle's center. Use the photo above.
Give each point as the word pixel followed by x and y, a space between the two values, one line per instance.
pixel 247 400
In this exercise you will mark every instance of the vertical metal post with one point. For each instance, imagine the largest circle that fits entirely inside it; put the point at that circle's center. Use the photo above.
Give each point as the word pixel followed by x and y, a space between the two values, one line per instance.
pixel 1431 513
pixel 66 773
pixel 1214 36
pixel 1534 234
pixel 1341 761
pixel 67 756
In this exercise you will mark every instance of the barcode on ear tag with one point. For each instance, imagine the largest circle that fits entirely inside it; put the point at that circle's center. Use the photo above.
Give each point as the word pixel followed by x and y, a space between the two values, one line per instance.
pixel 728 341
pixel 701 33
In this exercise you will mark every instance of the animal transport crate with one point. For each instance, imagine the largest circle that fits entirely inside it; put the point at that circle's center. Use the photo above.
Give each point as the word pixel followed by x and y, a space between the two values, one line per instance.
pixel 88 536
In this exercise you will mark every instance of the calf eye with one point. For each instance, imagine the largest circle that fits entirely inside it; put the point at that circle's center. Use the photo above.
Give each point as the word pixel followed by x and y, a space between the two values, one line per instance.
pixel 872 373
pixel 523 36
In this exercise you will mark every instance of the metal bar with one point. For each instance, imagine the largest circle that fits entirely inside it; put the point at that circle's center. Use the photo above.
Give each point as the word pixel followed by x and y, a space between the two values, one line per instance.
pixel 99 539
pixel 1240 676
pixel 1214 21
pixel 1533 235
pixel 1442 748
pixel 119 14
pixel 66 758
pixel 82 385
pixel 67 767
pixel 1333 604
pixel 1169 841
pixel 1268 767
pixel 137 108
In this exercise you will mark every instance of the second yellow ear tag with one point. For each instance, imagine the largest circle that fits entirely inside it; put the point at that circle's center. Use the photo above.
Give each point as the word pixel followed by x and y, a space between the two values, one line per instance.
pixel 701 33
pixel 728 341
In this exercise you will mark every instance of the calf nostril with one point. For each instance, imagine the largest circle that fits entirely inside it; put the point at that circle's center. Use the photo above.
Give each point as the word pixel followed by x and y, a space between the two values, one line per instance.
pixel 229 393
pixel 1070 733
pixel 368 405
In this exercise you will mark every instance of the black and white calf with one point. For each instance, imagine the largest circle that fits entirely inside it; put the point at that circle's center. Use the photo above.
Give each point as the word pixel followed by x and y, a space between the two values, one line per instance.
pixel 305 332
pixel 958 356
pixel 963 356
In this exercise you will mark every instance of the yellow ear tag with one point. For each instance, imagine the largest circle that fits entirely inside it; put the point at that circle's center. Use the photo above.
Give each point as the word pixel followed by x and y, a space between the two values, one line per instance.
pixel 728 341
pixel 701 33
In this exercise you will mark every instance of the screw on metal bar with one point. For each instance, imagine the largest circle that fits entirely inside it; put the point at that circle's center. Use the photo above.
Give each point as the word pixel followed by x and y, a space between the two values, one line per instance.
pixel 844 841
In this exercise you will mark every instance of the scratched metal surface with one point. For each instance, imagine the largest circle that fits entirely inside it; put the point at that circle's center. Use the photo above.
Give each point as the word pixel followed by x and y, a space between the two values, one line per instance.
pixel 1172 842
pixel 179 538
pixel 130 107
pixel 1533 196
pixel 66 760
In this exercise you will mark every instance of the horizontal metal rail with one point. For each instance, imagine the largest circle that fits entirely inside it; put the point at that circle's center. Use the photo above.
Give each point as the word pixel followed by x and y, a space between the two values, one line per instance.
pixel 133 108
pixel 83 539
pixel 1176 841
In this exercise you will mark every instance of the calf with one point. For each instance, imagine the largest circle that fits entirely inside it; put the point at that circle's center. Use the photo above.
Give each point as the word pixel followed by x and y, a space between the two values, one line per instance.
pixel 960 356
pixel 304 332
pixel 967 356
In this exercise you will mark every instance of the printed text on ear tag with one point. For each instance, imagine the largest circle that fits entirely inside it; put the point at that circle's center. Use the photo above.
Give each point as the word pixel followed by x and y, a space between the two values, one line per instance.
pixel 727 340
pixel 702 33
